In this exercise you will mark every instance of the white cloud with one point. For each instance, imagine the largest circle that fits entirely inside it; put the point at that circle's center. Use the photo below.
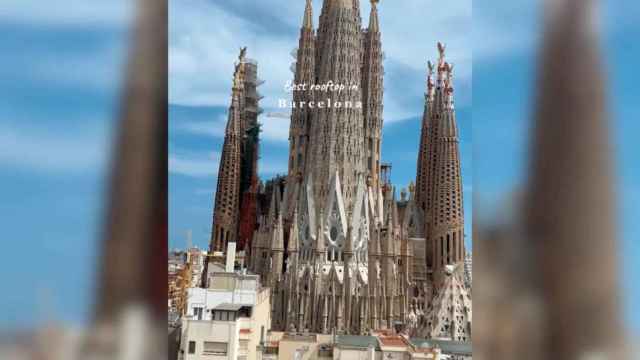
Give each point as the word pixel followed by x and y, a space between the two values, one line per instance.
pixel 506 28
pixel 54 151
pixel 272 167
pixel 204 37
pixel 214 129
pixel 203 45
pixel 194 164
pixel 199 164
pixel 274 128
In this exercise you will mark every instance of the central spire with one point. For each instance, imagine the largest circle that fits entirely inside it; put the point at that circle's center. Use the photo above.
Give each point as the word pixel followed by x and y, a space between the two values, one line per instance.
pixel 337 62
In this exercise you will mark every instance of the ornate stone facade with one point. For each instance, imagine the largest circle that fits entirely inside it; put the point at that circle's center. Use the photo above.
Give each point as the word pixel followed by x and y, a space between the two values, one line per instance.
pixel 439 176
pixel 339 251
pixel 336 247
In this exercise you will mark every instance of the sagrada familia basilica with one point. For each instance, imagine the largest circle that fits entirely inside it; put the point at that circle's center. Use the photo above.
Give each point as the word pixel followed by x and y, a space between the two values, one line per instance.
pixel 338 248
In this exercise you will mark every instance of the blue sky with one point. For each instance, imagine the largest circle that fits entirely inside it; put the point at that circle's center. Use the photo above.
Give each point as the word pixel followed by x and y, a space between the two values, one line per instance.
pixel 505 44
pixel 204 38
pixel 60 73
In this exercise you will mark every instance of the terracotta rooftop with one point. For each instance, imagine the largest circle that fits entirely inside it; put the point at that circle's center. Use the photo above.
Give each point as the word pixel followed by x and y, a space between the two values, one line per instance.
pixel 393 340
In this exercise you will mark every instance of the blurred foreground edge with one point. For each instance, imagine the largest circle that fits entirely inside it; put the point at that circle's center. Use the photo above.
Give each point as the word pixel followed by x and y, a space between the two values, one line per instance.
pixel 548 283
pixel 130 314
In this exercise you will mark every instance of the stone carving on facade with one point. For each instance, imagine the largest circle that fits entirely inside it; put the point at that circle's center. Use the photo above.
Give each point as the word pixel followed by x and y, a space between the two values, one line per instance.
pixel 339 251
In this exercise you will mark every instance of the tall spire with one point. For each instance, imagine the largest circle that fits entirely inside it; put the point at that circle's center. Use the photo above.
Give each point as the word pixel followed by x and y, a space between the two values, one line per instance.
pixel 423 172
pixel 300 116
pixel 307 20
pixel 331 150
pixel 444 215
pixel 372 92
pixel 373 17
pixel 227 200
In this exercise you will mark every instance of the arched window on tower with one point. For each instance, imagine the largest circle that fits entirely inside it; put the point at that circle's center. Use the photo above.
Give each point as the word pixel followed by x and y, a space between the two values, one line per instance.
pixel 448 249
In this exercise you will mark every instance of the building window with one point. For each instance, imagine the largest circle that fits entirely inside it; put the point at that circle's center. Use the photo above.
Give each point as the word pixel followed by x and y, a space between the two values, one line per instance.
pixel 192 347
pixel 325 351
pixel 197 313
pixel 244 345
pixel 224 316
pixel 215 348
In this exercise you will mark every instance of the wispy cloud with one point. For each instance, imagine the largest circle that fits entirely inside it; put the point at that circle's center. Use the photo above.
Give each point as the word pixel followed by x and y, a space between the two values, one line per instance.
pixel 205 164
pixel 506 28
pixel 194 164
pixel 53 151
pixel 274 129
pixel 268 167
pixel 205 36
pixel 214 128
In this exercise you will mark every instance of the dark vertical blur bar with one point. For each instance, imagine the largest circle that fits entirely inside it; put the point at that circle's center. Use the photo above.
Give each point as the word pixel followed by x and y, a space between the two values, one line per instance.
pixel 570 205
pixel 134 253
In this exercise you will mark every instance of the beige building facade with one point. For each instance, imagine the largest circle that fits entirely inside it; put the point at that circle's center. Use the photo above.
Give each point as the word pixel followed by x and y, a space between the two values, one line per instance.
pixel 226 320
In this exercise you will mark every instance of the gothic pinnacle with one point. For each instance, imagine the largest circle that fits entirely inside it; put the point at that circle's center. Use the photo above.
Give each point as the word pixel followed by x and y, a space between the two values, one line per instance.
pixel 278 240
pixel 442 64
pixel 430 78
pixel 319 234
pixel 292 246
pixel 373 17
pixel 307 21
pixel 238 74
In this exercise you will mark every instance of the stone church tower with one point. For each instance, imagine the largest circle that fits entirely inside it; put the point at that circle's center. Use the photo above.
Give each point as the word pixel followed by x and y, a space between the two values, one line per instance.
pixel 336 145
pixel 338 250
pixel 345 253
pixel 372 91
pixel 235 209
pixel 227 200
pixel 439 179
pixel 301 117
